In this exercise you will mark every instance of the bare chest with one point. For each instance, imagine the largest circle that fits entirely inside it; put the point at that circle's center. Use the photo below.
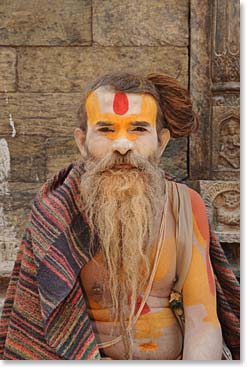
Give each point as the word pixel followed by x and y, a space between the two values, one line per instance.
pixel 94 277
pixel 156 334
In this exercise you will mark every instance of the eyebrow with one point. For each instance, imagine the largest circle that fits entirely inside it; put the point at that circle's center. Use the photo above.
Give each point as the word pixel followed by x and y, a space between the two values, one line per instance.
pixel 134 123
pixel 140 123
pixel 103 123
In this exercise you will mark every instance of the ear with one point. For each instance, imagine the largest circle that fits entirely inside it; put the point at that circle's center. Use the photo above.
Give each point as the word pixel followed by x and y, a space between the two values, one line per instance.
pixel 80 138
pixel 164 137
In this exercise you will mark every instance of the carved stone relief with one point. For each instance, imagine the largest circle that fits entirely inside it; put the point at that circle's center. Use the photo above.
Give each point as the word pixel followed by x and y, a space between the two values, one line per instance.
pixel 226 142
pixel 222 200
pixel 225 60
pixel 226 68
pixel 227 100
pixel 214 86
pixel 229 148
pixel 215 75
pixel 226 211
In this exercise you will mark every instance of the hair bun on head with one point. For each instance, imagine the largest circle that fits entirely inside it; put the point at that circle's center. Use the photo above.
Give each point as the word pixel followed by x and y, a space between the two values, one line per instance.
pixel 175 104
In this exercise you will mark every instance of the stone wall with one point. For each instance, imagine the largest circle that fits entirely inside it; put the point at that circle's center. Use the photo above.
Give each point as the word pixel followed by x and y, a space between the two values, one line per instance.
pixel 50 50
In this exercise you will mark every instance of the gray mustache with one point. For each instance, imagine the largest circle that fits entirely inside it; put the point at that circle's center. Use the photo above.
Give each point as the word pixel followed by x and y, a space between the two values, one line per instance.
pixel 115 159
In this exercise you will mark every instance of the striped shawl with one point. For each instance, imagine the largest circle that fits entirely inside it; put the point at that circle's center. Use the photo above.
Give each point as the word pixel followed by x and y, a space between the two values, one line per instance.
pixel 44 315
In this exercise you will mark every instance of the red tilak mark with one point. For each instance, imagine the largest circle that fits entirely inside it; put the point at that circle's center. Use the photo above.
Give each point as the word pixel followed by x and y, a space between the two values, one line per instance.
pixel 210 276
pixel 120 103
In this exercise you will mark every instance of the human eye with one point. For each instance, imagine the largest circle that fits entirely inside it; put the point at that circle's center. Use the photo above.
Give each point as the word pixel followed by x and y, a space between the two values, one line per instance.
pixel 139 128
pixel 106 130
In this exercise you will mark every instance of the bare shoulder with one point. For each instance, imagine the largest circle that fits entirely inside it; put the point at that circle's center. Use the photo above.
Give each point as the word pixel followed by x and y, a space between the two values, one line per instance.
pixel 197 202
pixel 199 213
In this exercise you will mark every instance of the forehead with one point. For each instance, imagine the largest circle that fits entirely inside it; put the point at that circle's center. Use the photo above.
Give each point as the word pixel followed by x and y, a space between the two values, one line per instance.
pixel 105 102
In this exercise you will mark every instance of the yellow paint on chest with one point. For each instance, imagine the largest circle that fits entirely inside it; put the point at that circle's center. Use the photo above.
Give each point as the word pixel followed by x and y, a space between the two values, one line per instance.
pixel 151 347
pixel 152 325
pixel 100 314
pixel 167 257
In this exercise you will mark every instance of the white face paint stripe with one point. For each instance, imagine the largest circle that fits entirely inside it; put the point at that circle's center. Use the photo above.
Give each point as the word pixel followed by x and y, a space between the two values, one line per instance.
pixel 122 143
pixel 106 98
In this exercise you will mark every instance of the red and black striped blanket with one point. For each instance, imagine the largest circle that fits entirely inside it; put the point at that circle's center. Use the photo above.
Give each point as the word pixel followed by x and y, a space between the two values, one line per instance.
pixel 44 315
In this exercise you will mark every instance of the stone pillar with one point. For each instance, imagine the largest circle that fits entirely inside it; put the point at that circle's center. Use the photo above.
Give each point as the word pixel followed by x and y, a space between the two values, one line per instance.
pixel 215 84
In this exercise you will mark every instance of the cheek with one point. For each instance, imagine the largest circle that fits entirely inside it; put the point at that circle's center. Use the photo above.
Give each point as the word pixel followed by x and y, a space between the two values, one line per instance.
pixel 146 145
pixel 98 146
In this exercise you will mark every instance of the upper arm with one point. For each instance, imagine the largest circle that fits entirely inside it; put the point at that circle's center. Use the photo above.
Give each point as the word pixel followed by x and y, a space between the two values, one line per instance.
pixel 199 286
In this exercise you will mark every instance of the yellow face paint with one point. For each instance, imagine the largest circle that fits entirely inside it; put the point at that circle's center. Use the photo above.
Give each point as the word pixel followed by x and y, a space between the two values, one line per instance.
pixel 101 107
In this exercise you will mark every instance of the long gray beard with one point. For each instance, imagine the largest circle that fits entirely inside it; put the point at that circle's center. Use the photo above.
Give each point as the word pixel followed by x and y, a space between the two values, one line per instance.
pixel 124 208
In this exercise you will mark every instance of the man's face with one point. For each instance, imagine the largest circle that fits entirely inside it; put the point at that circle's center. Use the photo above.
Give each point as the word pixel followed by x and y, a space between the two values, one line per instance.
pixel 121 122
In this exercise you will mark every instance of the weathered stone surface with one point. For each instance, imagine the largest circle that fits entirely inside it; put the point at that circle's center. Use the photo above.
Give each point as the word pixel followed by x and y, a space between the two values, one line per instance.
pixel 174 159
pixel 231 98
pixel 4 281
pixel 200 83
pixel 4 160
pixel 142 22
pixel 226 142
pixel 232 251
pixel 15 203
pixel 39 114
pixel 3 288
pixel 67 69
pixel 214 82
pixel 57 22
pixel 60 153
pixel 226 45
pixel 27 158
pixel 6 268
pixel 222 199
pixel 7 69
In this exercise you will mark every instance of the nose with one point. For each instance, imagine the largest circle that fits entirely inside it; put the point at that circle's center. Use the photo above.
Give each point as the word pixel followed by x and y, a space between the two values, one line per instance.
pixel 122 146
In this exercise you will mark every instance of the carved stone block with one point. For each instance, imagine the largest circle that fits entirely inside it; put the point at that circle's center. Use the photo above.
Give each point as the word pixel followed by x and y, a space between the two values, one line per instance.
pixel 226 142
pixel 27 158
pixel 200 86
pixel 142 22
pixel 42 114
pixel 7 69
pixel 174 159
pixel 222 200
pixel 60 153
pixel 69 69
pixel 56 22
